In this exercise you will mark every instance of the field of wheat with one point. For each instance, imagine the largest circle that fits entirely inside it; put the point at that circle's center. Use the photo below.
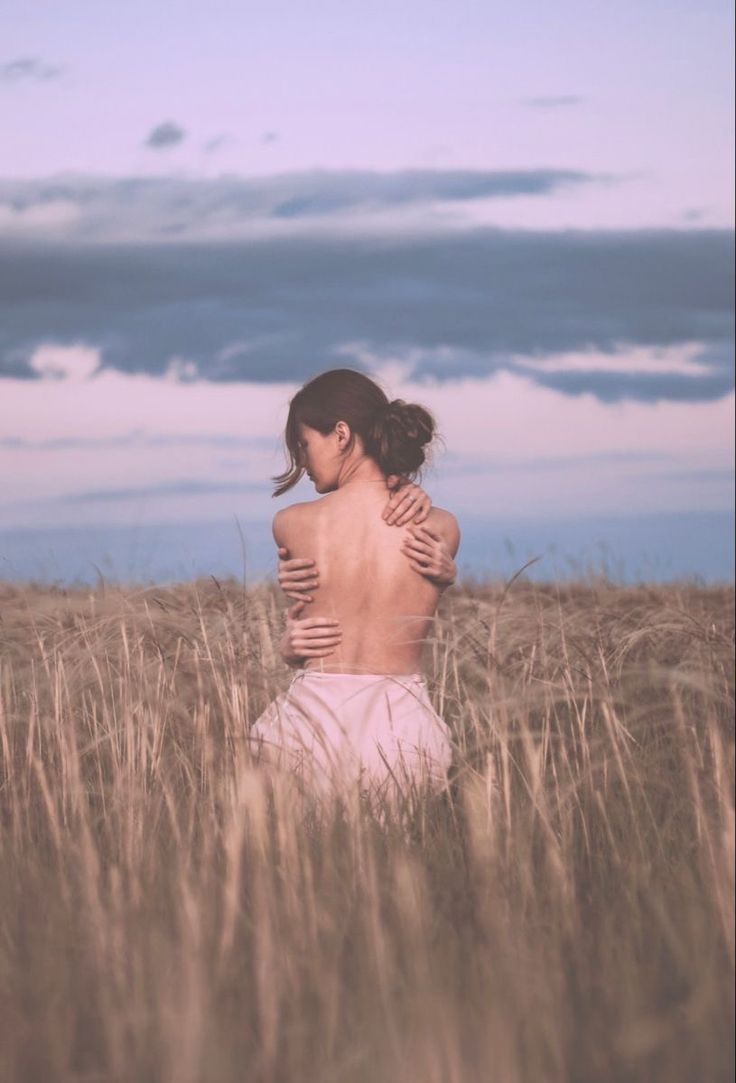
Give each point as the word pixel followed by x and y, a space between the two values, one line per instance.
pixel 564 912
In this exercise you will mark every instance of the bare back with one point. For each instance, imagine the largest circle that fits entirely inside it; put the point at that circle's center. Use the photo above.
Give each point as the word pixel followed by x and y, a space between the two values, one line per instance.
pixel 384 606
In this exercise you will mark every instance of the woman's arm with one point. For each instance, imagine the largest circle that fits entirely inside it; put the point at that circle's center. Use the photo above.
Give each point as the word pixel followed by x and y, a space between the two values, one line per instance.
pixel 310 637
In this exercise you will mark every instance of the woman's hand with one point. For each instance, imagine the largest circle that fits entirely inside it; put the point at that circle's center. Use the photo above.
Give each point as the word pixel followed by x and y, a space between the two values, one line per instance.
pixel 407 502
pixel 298 576
pixel 428 554
pixel 308 637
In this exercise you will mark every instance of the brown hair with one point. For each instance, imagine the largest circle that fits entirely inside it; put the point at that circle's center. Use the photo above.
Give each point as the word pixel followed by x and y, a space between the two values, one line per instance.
pixel 394 434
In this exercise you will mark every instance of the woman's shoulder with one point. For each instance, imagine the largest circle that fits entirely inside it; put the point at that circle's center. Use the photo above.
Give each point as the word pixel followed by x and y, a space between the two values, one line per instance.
pixel 291 511
pixel 290 516
pixel 447 525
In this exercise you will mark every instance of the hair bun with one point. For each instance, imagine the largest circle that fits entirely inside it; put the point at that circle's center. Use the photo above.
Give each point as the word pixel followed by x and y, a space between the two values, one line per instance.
pixel 411 421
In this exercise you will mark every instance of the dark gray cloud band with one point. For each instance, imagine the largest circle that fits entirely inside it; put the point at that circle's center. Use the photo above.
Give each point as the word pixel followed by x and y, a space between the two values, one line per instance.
pixel 166 134
pixel 28 69
pixel 455 304
pixel 150 208
pixel 138 439
pixel 184 487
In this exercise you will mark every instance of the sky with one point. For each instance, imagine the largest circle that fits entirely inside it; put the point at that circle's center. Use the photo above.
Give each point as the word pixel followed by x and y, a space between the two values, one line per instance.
pixel 520 216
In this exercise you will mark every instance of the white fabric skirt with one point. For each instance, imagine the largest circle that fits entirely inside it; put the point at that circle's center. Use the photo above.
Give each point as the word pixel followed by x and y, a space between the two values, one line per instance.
pixel 336 729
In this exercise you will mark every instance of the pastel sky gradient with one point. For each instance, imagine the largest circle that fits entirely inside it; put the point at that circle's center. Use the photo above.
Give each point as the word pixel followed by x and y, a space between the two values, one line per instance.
pixel 519 215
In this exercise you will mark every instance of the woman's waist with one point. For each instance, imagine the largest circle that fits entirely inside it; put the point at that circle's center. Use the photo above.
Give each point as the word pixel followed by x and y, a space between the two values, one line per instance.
pixel 383 658
pixel 312 671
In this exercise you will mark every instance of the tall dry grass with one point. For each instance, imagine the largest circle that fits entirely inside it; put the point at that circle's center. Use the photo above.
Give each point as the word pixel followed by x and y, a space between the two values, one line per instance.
pixel 564 913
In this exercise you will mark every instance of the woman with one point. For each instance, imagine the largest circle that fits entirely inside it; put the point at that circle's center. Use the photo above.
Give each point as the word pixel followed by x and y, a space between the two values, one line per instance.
pixel 358 710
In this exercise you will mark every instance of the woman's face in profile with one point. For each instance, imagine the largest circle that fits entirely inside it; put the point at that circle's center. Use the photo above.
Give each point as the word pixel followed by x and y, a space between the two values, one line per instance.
pixel 319 457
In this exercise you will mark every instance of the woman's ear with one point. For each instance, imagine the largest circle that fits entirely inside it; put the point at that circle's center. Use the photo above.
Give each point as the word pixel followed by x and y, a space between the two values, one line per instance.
pixel 343 433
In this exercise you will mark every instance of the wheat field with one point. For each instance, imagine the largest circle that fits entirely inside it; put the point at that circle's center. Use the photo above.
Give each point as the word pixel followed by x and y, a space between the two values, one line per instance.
pixel 564 913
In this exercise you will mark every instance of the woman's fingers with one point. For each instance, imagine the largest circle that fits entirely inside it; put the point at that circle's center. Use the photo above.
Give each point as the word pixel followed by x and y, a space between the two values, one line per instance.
pixel 297 590
pixel 393 510
pixel 398 502
pixel 299 595
pixel 415 506
pixel 315 644
pixel 299 587
pixel 417 548
pixel 429 568
pixel 298 568
pixel 419 539
pixel 416 554
pixel 405 516
pixel 420 507
pixel 299 584
pixel 409 503
pixel 421 558
pixel 402 514
pixel 316 641
pixel 303 571
pixel 425 532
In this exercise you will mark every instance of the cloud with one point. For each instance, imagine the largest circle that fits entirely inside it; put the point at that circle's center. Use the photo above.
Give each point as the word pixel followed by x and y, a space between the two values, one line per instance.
pixel 185 487
pixel 166 134
pixel 554 101
pixel 216 143
pixel 456 464
pixel 147 208
pixel 330 192
pixel 28 68
pixel 441 306
pixel 75 362
pixel 717 475
pixel 614 386
pixel 684 358
pixel 181 370
pixel 137 438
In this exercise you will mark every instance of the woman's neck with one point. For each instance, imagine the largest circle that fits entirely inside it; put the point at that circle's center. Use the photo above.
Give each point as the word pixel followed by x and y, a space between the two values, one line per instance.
pixel 364 471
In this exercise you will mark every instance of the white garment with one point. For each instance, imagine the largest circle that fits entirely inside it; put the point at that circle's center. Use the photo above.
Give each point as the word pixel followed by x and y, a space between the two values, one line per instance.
pixel 336 728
